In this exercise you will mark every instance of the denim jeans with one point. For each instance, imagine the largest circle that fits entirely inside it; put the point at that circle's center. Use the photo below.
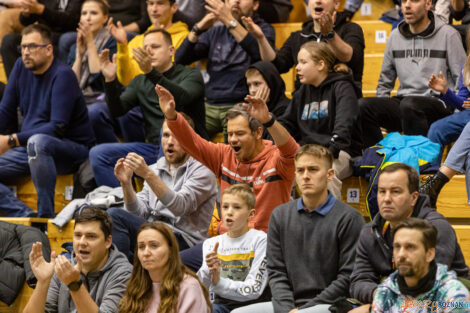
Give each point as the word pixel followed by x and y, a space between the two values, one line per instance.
pixel 125 228
pixel 66 41
pixel 458 158
pixel 44 157
pixel 219 308
pixel 103 158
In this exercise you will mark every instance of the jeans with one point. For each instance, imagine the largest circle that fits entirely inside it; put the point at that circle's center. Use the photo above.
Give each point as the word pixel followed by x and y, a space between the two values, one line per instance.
pixel 104 125
pixel 125 228
pixel 219 308
pixel 44 157
pixel 447 130
pixel 458 158
pixel 103 158
pixel 66 41
pixel 413 115
pixel 267 307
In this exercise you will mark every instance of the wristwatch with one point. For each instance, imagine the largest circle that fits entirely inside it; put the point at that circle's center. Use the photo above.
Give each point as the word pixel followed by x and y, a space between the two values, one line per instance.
pixel 330 35
pixel 11 141
pixel 74 286
pixel 232 24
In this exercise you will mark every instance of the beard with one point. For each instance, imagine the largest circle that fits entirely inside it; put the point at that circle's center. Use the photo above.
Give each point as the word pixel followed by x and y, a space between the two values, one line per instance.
pixel 406 271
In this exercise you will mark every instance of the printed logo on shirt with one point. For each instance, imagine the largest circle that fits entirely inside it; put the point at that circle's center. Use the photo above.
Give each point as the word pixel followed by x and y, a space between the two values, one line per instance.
pixel 315 110
pixel 236 266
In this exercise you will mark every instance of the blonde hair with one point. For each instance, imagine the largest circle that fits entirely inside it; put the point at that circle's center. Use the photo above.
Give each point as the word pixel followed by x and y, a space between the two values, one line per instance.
pixel 321 51
pixel 243 191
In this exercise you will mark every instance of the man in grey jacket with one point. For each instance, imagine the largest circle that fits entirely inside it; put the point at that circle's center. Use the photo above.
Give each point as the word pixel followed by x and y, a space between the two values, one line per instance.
pixel 398 199
pixel 421 45
pixel 93 281
pixel 178 191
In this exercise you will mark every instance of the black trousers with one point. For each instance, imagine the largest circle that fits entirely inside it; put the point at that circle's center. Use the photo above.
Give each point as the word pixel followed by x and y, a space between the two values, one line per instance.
pixel 411 115
pixel 10 51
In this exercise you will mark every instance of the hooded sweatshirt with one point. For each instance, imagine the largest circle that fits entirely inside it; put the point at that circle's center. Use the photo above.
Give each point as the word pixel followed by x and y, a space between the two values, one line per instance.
pixel 374 252
pixel 437 48
pixel 326 115
pixel 278 102
pixel 270 174
pixel 444 296
pixel 106 286
pixel 127 67
pixel 349 32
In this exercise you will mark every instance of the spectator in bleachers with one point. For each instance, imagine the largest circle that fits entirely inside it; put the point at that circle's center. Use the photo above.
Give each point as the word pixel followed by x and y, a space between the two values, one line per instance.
pixel 161 14
pixel 247 159
pixel 446 130
pixel 131 13
pixel 265 74
pixel 94 280
pixel 230 50
pixel 92 38
pixel 345 38
pixel 159 281
pixel 324 109
pixel 178 191
pixel 457 161
pixel 420 46
pixel 398 199
pixel 275 11
pixel 60 16
pixel 234 266
pixel 460 11
pixel 55 133
pixel 419 279
pixel 155 61
pixel 311 242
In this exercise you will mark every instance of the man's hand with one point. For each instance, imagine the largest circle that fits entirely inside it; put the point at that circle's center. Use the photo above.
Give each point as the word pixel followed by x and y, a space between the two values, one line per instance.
pixel 4 147
pixel 67 272
pixel 122 172
pixel 466 104
pixel 213 263
pixel 143 59
pixel 252 27
pixel 138 165
pixel 31 7
pixel 167 102
pixel 117 31
pixel 207 21
pixel 258 108
pixel 326 22
pixel 438 83
pixel 220 10
pixel 294 310
pixel 107 68
pixel 42 270
pixel 362 309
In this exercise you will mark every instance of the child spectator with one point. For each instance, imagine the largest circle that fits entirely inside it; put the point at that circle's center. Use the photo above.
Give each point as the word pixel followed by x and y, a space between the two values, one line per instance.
pixel 324 111
pixel 234 266
pixel 160 282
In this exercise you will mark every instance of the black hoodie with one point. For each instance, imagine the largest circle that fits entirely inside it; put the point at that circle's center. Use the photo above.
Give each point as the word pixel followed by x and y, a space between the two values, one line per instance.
pixel 349 32
pixel 278 102
pixel 374 251
pixel 326 115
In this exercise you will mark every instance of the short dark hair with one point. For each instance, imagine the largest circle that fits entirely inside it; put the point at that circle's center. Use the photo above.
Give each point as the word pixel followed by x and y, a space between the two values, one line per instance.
pixel 103 4
pixel 166 35
pixel 96 214
pixel 413 177
pixel 238 110
pixel 43 30
pixel 316 151
pixel 428 231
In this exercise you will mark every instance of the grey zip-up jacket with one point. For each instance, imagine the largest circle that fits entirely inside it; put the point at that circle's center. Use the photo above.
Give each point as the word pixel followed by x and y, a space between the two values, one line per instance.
pixel 188 203
pixel 412 58
pixel 106 286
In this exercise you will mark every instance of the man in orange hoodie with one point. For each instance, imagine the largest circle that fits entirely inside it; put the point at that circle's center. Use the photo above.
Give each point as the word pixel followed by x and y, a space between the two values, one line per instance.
pixel 247 159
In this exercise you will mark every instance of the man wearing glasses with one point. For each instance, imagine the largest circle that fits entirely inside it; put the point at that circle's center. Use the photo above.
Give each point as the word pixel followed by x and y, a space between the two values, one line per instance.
pixel 55 134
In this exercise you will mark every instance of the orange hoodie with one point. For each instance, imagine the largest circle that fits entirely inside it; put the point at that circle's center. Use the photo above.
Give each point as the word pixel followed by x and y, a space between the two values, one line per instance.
pixel 271 173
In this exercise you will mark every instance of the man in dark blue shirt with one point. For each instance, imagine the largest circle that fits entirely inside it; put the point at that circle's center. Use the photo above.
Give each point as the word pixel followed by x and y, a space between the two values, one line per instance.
pixel 55 132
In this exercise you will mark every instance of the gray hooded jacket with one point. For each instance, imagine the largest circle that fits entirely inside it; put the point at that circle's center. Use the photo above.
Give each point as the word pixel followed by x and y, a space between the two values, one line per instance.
pixel 414 57
pixel 106 286
pixel 188 203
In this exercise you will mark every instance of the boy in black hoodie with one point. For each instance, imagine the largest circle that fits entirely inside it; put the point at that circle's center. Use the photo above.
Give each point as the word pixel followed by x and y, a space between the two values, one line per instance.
pixel 324 110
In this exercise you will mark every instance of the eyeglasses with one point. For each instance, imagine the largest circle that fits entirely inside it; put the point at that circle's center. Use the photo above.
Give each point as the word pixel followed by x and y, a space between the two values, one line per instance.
pixel 31 47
